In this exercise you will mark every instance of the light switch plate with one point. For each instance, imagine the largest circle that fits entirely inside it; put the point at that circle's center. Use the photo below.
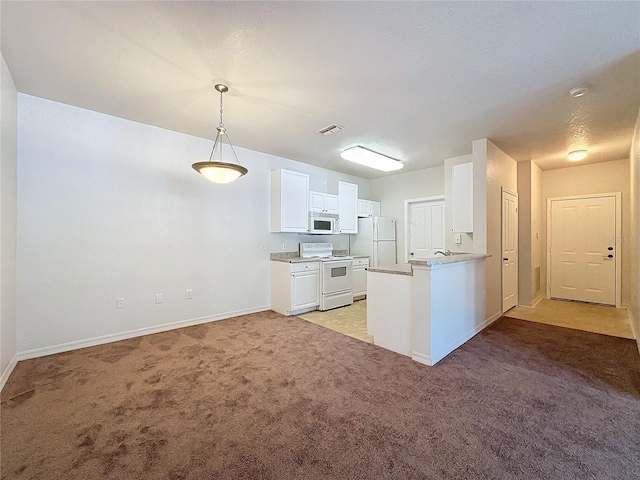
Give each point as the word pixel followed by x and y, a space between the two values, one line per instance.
pixel 458 239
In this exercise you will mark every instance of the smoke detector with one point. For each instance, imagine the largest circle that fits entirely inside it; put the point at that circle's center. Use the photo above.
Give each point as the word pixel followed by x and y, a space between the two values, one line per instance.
pixel 330 129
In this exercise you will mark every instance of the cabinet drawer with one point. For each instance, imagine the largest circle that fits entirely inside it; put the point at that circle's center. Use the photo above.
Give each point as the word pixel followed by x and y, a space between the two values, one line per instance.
pixel 304 267
pixel 360 262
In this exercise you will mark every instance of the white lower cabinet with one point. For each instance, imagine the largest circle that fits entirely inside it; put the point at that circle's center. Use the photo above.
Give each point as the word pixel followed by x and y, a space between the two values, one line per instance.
pixel 294 287
pixel 360 266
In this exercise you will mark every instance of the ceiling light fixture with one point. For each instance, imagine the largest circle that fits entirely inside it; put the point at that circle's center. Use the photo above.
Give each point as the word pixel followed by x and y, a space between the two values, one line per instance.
pixel 369 158
pixel 219 171
pixel 577 155
pixel 576 92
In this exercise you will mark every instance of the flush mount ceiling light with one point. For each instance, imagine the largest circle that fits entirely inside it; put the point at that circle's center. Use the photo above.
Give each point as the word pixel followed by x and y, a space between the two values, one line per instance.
pixel 216 169
pixel 369 158
pixel 580 91
pixel 577 155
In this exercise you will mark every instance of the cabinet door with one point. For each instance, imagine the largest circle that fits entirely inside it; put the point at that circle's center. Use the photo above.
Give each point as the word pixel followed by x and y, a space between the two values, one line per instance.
pixel 359 281
pixel 289 201
pixel 316 201
pixel 364 208
pixel 304 290
pixel 331 204
pixel 375 208
pixel 348 207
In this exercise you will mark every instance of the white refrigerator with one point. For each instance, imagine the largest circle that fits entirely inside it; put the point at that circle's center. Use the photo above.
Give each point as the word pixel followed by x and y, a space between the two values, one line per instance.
pixel 376 238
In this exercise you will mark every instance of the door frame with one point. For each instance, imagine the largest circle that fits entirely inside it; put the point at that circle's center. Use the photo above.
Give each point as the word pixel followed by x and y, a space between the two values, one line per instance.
pixel 407 205
pixel 515 194
pixel 618 243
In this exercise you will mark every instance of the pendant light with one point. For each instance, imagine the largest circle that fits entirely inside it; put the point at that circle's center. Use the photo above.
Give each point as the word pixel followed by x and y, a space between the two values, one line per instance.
pixel 216 169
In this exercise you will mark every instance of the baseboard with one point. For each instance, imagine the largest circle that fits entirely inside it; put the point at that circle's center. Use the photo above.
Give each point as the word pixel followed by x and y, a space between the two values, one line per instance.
pixel 421 358
pixel 435 358
pixel 633 326
pixel 535 302
pixel 90 342
pixel 7 371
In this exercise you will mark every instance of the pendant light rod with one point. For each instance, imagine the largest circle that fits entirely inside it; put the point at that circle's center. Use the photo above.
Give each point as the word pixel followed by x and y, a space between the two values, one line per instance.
pixel 220 171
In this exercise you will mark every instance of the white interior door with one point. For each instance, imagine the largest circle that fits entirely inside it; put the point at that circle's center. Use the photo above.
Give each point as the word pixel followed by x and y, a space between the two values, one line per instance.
pixel 426 228
pixel 509 250
pixel 582 249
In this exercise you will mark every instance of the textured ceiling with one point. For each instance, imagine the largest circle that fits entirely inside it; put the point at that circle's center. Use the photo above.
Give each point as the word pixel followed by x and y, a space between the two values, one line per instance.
pixel 418 81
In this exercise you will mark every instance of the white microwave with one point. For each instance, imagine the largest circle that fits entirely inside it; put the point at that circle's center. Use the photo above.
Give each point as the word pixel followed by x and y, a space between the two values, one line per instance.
pixel 324 223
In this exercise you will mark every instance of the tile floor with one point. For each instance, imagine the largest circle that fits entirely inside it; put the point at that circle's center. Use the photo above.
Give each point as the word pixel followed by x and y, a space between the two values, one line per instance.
pixel 350 320
pixel 577 315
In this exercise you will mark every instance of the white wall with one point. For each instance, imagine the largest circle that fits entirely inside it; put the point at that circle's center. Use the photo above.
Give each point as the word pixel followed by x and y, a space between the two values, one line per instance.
pixel 634 232
pixel 449 234
pixel 585 179
pixel 392 191
pixel 500 171
pixel 111 208
pixel 8 218
pixel 529 232
pixel 537 216
pixel 479 159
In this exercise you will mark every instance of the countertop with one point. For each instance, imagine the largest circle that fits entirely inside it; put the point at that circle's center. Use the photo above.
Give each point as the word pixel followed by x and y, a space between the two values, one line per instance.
pixel 294 257
pixel 458 257
pixel 401 269
pixel 291 257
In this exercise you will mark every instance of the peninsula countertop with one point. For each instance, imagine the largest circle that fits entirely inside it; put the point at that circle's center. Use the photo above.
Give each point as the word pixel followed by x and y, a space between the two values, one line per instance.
pixel 400 269
pixel 456 257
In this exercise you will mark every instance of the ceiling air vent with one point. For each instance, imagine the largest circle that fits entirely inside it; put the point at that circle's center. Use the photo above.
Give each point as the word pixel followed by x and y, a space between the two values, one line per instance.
pixel 330 130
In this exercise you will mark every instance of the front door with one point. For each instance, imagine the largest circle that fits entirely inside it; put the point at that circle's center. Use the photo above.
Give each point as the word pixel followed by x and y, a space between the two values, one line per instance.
pixel 426 228
pixel 582 249
pixel 509 250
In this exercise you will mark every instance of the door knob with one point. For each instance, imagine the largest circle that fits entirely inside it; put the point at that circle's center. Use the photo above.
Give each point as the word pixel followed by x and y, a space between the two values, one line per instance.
pixel 505 259
pixel 610 248
pixel 610 256
pixel 411 254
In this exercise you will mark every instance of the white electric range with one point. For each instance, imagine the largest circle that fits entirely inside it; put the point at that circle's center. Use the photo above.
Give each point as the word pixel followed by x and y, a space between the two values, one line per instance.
pixel 336 275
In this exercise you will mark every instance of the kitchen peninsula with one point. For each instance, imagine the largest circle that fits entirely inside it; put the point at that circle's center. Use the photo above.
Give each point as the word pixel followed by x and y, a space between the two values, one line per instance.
pixel 428 308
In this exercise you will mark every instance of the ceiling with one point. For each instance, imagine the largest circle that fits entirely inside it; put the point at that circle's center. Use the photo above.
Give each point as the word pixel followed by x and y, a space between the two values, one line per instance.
pixel 417 81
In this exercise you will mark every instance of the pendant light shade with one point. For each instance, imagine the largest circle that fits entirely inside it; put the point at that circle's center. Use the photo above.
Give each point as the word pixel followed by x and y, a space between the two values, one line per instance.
pixel 217 169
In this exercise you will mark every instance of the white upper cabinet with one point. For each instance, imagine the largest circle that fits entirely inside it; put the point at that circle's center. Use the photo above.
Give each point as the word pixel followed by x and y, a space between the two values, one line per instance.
pixel 348 207
pixel 368 208
pixel 462 197
pixel 289 201
pixel 323 203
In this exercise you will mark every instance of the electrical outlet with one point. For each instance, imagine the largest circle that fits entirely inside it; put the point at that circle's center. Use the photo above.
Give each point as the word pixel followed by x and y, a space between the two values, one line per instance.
pixel 188 294
pixel 458 239
pixel 158 298
pixel 284 246
pixel 120 303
